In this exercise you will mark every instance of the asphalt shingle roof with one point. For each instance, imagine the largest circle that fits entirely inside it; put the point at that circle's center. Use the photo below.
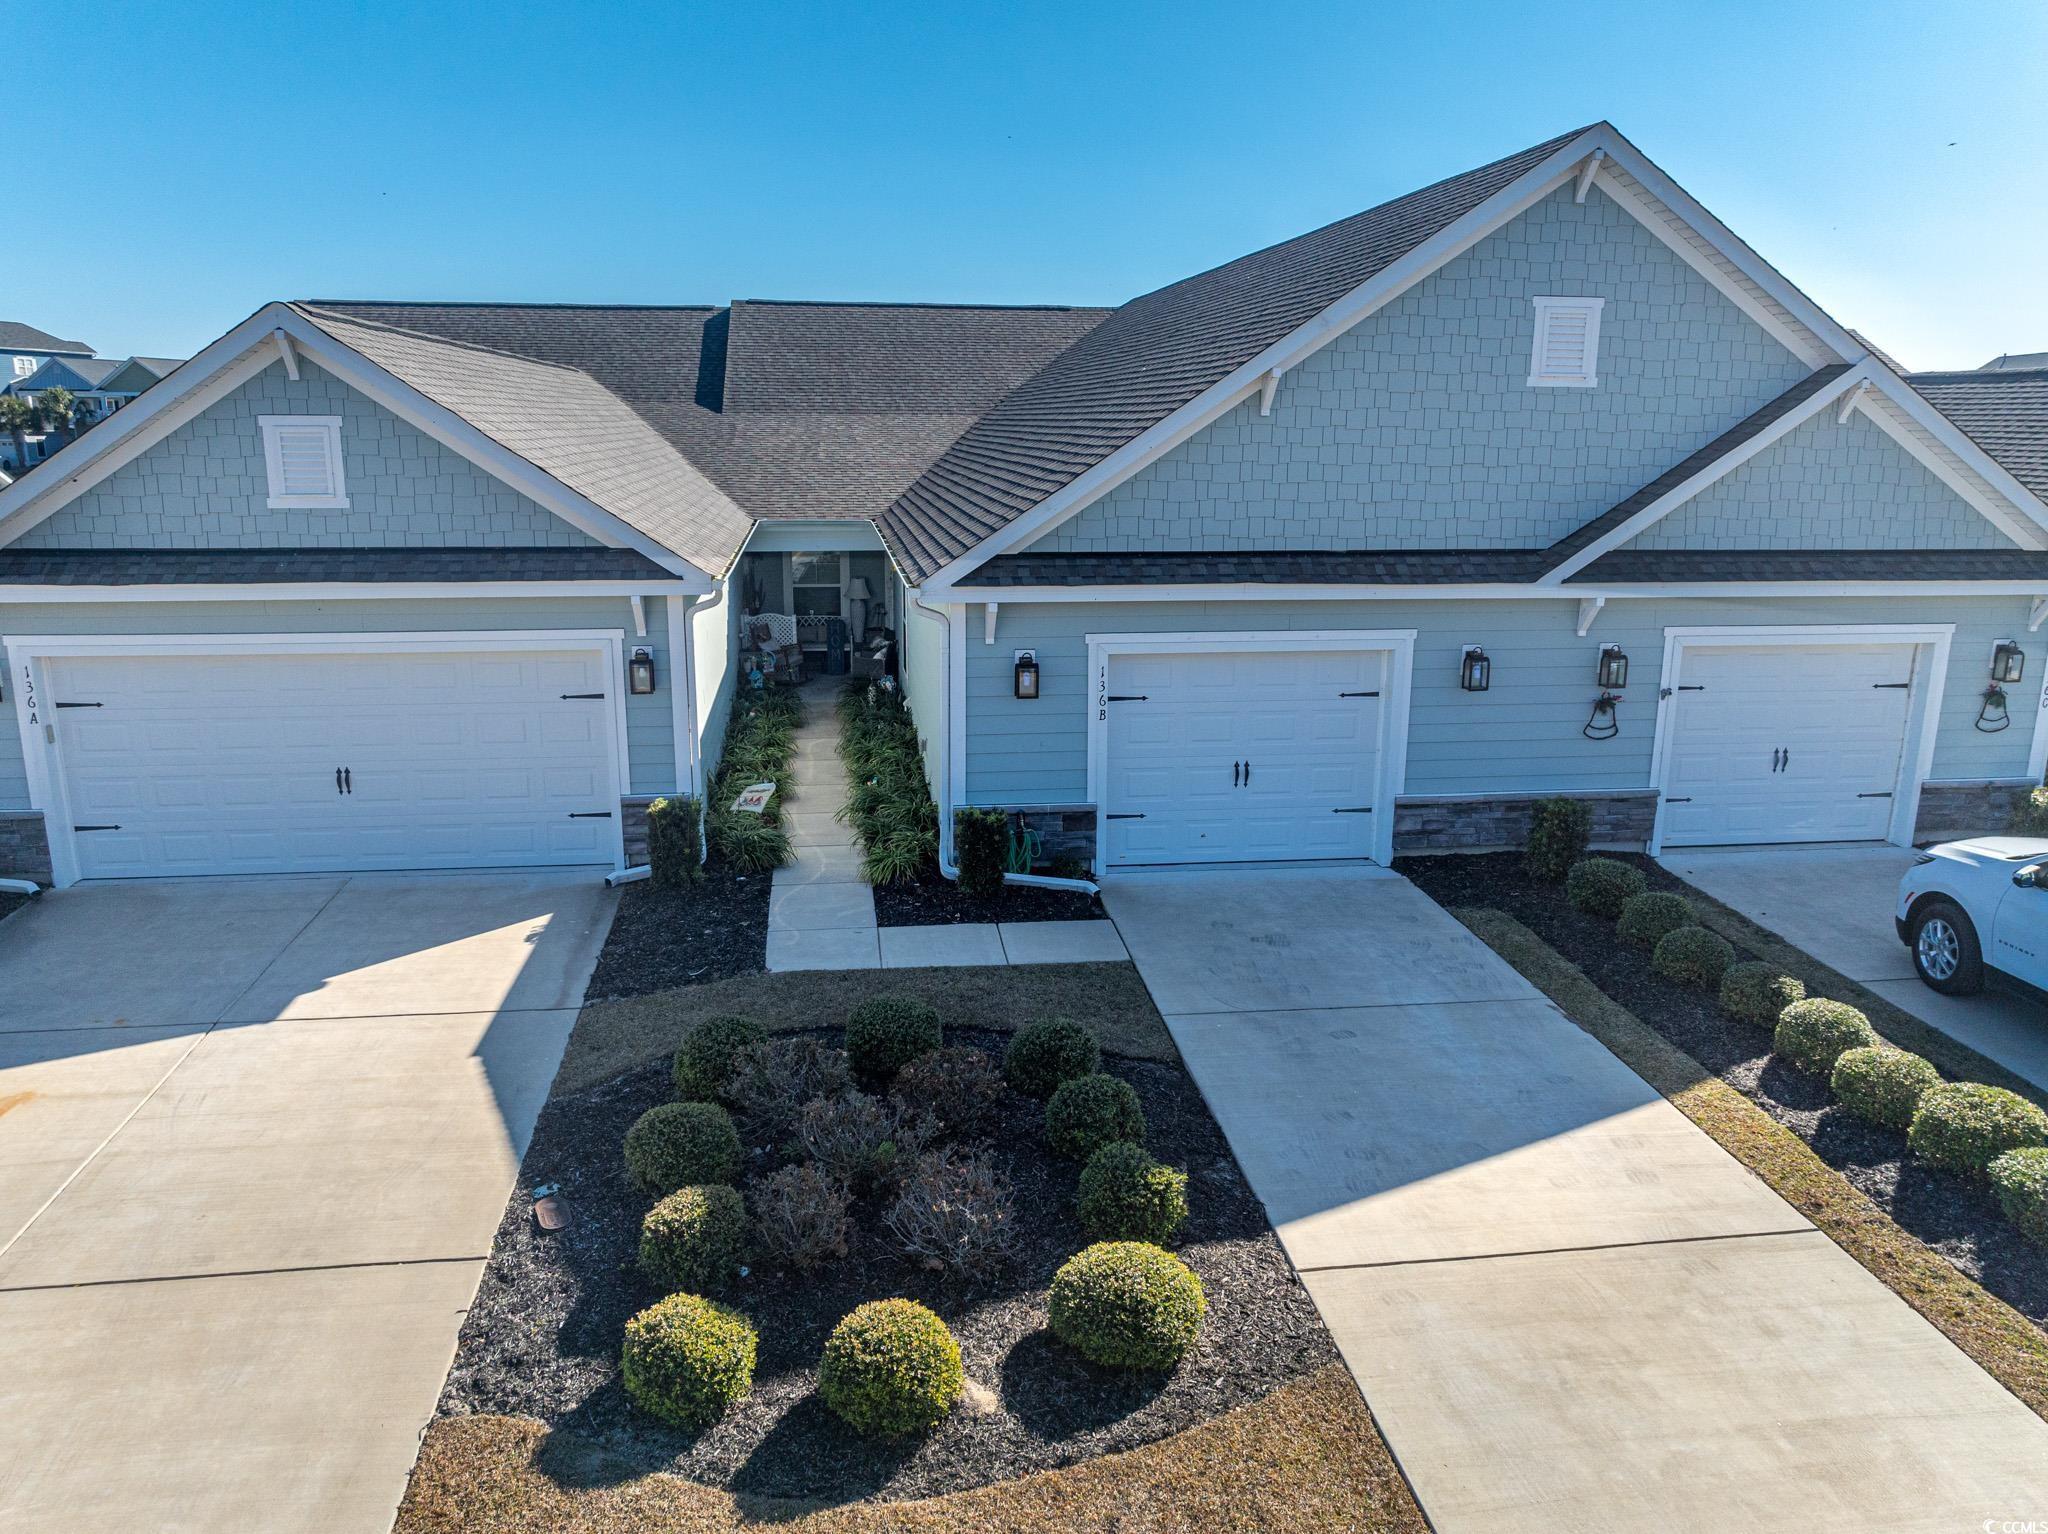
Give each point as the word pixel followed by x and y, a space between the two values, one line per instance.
pixel 212 567
pixel 1815 565
pixel 17 337
pixel 1361 567
pixel 1155 354
pixel 2004 412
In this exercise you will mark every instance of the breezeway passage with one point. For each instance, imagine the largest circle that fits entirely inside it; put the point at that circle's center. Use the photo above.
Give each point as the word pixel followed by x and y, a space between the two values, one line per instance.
pixel 1568 1308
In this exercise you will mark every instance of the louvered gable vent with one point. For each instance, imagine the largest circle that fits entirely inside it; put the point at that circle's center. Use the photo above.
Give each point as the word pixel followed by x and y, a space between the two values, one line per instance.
pixel 303 456
pixel 1567 350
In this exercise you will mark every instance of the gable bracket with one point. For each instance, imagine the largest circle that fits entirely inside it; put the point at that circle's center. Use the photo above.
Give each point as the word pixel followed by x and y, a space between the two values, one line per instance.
pixel 988 622
pixel 1586 174
pixel 2036 613
pixel 1589 609
pixel 1268 387
pixel 287 353
pixel 1850 398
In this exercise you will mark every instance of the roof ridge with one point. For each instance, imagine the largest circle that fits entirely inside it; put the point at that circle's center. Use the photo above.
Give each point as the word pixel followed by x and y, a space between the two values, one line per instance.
pixel 920 303
pixel 1978 375
pixel 312 311
pixel 493 303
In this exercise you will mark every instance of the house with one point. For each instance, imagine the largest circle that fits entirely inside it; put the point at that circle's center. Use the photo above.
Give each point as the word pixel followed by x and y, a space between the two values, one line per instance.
pixel 99 386
pixel 1535 481
pixel 23 349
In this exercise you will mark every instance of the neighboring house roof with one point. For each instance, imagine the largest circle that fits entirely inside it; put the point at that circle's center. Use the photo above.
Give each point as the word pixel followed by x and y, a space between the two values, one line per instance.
pixel 2004 412
pixel 74 373
pixel 17 337
pixel 326 566
pixel 2011 362
pixel 565 423
pixel 138 373
pixel 1155 354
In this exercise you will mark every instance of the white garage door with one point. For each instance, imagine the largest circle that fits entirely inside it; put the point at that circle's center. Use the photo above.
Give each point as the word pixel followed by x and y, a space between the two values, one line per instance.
pixel 1787 743
pixel 252 763
pixel 1242 757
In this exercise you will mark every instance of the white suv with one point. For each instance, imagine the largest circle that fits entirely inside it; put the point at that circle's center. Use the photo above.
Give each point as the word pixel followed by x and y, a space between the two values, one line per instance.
pixel 1976 913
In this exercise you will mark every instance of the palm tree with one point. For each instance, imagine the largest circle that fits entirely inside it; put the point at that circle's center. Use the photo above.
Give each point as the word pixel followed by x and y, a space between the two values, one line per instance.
pixel 18 417
pixel 55 406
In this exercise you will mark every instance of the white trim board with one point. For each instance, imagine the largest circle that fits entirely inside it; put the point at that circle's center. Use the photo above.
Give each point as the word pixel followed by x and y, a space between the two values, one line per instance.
pixel 40 752
pixel 1252 591
pixel 1398 643
pixel 324 591
pixel 1931 643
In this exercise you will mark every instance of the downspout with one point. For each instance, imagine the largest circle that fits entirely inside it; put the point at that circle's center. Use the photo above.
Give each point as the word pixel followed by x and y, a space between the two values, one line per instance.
pixel 956 745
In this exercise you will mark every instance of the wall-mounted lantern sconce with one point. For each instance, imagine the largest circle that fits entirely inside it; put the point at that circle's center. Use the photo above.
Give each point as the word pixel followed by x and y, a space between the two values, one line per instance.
pixel 1613 669
pixel 1026 685
pixel 1475 674
pixel 640 672
pixel 2008 660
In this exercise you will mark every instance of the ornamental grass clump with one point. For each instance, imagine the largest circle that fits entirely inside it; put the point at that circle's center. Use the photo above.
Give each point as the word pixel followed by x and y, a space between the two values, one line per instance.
pixel 1882 1085
pixel 677 1144
pixel 1127 1305
pixel 1646 918
pixel 696 1238
pixel 1815 1033
pixel 1692 956
pixel 760 740
pixel 710 1055
pixel 1044 1056
pixel 2020 1179
pixel 891 1368
pixel 687 1359
pixel 1125 1195
pixel 886 1033
pixel 1094 1111
pixel 1758 993
pixel 801 1216
pixel 889 806
pixel 1559 830
pixel 1599 886
pixel 1963 1126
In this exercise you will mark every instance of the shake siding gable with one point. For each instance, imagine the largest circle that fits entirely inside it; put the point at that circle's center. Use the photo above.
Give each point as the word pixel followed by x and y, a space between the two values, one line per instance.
pixel 205 486
pixel 1418 428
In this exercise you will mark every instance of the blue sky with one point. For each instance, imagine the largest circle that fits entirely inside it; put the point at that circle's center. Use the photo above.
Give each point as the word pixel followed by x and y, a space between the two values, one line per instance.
pixel 1886 156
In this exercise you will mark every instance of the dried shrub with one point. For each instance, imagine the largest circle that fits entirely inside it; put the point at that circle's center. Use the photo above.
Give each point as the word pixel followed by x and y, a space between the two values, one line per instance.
pixel 800 1216
pixel 774 1080
pixel 959 1087
pixel 862 1139
pixel 954 1212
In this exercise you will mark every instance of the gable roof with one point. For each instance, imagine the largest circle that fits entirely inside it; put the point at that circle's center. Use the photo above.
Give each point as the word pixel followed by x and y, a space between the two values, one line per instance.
pixel 2004 412
pixel 17 337
pixel 67 373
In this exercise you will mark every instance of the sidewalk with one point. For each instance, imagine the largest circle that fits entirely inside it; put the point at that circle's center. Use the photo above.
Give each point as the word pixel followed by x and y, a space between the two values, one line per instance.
pixel 821 912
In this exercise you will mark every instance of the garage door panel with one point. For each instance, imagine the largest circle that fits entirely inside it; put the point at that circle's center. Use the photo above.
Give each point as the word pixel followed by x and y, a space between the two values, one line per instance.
pixel 226 764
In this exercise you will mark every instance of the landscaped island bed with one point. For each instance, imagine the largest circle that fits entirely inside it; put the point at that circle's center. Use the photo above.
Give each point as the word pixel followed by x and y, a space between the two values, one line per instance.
pixel 1957 1217
pixel 543 1339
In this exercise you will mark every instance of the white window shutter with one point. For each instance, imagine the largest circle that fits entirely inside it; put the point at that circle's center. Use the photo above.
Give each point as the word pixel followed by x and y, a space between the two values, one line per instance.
pixel 1567 348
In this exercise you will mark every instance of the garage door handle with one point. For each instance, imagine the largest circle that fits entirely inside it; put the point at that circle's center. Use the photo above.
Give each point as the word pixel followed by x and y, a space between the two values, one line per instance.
pixel 348 781
pixel 337 782
pixel 590 814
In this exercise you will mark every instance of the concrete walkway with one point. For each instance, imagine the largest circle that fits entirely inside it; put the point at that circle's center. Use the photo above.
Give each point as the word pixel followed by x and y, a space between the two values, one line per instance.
pixel 1836 903
pixel 256 1136
pixel 1568 1308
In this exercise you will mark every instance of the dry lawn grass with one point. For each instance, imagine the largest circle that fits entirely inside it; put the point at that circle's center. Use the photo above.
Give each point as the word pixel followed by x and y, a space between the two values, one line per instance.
pixel 1307 1457
pixel 615 1036
pixel 2003 1342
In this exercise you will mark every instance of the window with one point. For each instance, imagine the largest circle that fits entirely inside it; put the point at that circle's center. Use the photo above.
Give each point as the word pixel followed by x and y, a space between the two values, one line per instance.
pixel 303 456
pixel 814 585
pixel 23 366
pixel 1567 351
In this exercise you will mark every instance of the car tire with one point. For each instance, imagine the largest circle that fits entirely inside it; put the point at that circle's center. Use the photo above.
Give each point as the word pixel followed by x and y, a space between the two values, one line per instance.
pixel 1945 951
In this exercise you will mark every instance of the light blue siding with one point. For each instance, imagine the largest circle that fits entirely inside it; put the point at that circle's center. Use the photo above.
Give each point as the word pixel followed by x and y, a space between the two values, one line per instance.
pixel 204 486
pixel 650 734
pixel 1418 429
pixel 715 648
pixel 923 664
pixel 1824 486
pixel 1521 736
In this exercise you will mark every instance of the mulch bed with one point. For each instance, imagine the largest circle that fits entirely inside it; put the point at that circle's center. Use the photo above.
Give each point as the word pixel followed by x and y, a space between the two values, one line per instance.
pixel 939 902
pixel 665 938
pixel 542 1340
pixel 1957 1217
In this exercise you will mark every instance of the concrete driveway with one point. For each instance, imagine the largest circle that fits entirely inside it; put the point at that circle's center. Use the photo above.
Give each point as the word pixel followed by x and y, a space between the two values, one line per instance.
pixel 255 1138
pixel 1567 1307
pixel 1836 903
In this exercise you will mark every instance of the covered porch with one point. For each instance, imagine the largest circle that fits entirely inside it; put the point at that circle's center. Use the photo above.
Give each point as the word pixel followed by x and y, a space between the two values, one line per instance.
pixel 826 586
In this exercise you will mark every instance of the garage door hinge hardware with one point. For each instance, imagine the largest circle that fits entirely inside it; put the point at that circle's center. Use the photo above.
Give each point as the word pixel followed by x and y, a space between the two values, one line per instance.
pixel 95 828
pixel 1358 695
pixel 1678 801
pixel 78 705
pixel 1364 809
pixel 568 695
pixel 1885 795
pixel 1137 697
pixel 1899 686
pixel 590 814
pixel 1123 817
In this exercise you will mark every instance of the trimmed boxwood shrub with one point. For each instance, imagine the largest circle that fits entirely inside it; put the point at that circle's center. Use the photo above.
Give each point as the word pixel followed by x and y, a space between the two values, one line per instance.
pixel 711 1055
pixel 674 853
pixel 886 1033
pixel 1044 1056
pixel 687 1359
pixel 1127 1305
pixel 1598 886
pixel 1882 1085
pixel 1963 1126
pixel 1127 1196
pixel 695 1238
pixel 1757 993
pixel 981 845
pixel 2020 1179
pixel 1692 956
pixel 1815 1033
pixel 1091 1112
pixel 1558 832
pixel 1646 918
pixel 677 1144
pixel 891 1368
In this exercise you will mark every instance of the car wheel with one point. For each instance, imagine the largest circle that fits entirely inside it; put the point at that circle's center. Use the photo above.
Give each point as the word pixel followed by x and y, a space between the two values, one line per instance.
pixel 1945 951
